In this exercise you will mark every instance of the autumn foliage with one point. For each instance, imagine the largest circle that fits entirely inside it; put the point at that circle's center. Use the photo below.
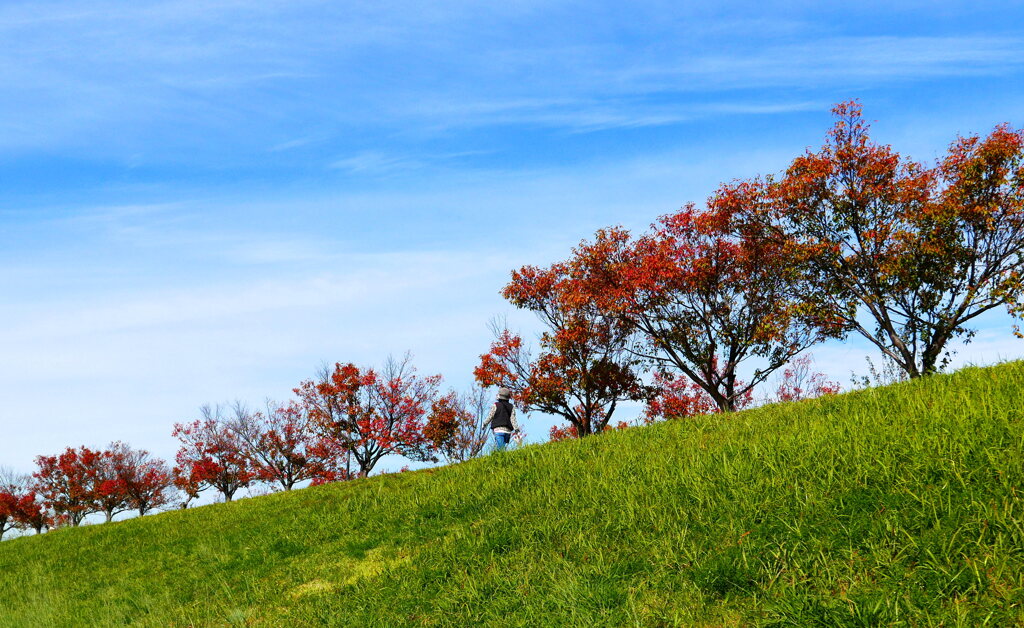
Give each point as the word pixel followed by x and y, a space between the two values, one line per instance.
pixel 11 490
pixel 457 427
pixel 20 506
pixel 676 398
pixel 33 513
pixel 365 415
pixel 282 446
pixel 584 367
pixel 903 254
pixel 698 300
pixel 799 382
pixel 689 317
pixel 211 456
pixel 70 483
pixel 8 510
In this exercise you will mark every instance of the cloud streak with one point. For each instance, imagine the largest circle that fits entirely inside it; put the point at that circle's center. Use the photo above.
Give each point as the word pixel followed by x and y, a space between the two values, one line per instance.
pixel 205 200
pixel 258 76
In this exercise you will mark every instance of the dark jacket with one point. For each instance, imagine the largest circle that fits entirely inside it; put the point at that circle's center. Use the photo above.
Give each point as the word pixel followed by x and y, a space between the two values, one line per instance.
pixel 502 415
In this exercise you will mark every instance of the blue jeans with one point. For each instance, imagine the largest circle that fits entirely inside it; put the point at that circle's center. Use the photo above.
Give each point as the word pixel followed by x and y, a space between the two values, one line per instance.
pixel 501 440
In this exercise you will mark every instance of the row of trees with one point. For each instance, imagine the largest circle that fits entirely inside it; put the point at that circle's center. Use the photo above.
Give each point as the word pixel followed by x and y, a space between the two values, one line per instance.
pixel 339 426
pixel 67 487
pixel 689 317
pixel 853 238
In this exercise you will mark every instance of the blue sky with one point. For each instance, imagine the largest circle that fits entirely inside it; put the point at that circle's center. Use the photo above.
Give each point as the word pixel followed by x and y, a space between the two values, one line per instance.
pixel 205 201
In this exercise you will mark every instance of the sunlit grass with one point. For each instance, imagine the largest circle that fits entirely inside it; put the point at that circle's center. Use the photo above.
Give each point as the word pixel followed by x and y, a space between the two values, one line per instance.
pixel 897 506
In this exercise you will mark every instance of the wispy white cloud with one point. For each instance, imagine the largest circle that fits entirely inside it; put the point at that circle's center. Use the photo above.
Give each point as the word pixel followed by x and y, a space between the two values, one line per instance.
pixel 603 114
pixel 380 163
pixel 112 79
pixel 374 162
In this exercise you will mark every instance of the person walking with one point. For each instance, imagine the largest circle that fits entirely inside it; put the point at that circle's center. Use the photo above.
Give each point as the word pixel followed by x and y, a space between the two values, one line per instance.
pixel 502 419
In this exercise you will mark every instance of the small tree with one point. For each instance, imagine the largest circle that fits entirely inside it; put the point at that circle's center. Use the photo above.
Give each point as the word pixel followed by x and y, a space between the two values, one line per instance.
pixel 12 486
pixel 8 511
pixel 188 485
pixel 282 445
pixel 366 415
pixel 68 483
pixel 111 493
pixel 584 368
pixel 145 481
pixel 211 455
pixel 799 382
pixel 32 513
pixel 457 427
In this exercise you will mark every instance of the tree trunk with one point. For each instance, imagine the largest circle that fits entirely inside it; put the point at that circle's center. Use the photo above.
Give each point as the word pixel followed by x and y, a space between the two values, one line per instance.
pixel 932 353
pixel 725 404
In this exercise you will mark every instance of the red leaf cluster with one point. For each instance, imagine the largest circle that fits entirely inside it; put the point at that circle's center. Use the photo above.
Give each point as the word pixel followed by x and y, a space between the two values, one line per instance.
pixel 211 456
pixel 283 447
pixel 677 398
pixel 82 481
pixel 365 415
pixel 798 382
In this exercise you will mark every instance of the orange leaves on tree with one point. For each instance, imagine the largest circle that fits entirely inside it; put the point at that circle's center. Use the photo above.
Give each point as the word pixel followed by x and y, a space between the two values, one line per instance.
pixel 456 427
pixel 583 368
pixel 697 298
pixel 903 254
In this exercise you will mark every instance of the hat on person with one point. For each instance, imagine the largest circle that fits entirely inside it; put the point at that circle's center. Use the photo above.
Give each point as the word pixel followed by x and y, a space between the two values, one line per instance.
pixel 504 393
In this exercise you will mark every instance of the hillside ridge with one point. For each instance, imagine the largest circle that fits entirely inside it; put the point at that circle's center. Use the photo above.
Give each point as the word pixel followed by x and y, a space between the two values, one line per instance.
pixel 898 505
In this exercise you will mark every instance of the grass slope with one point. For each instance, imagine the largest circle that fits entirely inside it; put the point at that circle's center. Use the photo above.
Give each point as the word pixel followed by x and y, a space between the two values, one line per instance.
pixel 898 505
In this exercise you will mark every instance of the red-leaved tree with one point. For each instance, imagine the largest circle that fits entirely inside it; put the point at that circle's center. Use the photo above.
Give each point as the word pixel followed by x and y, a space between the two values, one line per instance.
pixel 145 481
pixel 903 254
pixel 457 426
pixel 583 368
pixel 111 493
pixel 211 455
pixel 283 446
pixel 700 301
pixel 800 382
pixel 367 415
pixel 68 483
pixel 8 510
pixel 32 513
pixel 188 485
pixel 12 486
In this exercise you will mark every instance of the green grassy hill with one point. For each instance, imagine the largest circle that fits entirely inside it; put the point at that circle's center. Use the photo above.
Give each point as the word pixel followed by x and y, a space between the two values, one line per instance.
pixel 899 505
